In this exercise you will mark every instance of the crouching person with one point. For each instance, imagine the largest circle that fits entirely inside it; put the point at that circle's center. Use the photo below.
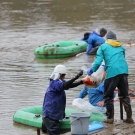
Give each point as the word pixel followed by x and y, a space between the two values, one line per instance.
pixel 95 95
pixel 55 99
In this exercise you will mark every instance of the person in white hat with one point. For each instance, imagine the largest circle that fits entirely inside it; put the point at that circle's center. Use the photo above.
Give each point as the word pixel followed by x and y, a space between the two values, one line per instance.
pixel 55 99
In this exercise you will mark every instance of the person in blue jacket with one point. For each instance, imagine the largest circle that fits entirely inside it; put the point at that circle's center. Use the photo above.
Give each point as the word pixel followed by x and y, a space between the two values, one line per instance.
pixel 86 36
pixel 95 95
pixel 94 40
pixel 113 55
pixel 55 99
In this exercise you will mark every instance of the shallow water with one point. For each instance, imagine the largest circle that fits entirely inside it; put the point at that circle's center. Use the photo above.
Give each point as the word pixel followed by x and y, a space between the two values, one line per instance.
pixel 24 25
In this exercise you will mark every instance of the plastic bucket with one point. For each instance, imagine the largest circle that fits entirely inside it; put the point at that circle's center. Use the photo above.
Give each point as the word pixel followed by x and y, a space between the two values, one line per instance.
pixel 79 123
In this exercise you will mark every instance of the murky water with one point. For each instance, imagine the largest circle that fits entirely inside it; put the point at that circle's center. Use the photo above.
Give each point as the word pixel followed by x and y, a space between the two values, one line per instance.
pixel 26 24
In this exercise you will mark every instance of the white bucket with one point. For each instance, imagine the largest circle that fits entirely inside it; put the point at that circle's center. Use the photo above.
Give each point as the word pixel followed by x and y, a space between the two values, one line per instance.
pixel 79 123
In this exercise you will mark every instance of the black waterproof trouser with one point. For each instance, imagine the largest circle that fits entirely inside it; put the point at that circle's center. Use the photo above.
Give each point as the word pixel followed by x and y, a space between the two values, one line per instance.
pixel 121 82
pixel 52 127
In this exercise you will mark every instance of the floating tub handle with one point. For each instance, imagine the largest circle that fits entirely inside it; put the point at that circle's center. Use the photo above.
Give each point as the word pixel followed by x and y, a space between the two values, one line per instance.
pixel 74 120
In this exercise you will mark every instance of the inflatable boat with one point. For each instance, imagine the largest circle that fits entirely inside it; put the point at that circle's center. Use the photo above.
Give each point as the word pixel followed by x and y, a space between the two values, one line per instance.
pixel 61 49
pixel 32 116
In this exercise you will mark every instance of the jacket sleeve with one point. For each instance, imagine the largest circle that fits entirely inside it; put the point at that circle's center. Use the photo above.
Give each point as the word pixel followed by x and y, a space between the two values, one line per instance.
pixel 89 47
pixel 76 84
pixel 83 92
pixel 70 84
pixel 98 60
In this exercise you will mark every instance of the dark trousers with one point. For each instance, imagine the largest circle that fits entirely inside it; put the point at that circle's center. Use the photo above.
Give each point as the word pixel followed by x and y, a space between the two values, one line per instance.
pixel 94 51
pixel 52 127
pixel 119 81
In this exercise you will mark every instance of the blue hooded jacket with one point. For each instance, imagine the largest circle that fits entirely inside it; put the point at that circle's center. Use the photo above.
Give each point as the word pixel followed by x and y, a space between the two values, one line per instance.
pixel 93 41
pixel 95 95
pixel 54 100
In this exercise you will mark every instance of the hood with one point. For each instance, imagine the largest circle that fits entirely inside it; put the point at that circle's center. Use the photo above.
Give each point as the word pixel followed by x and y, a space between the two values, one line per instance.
pixel 113 43
pixel 55 76
pixel 97 32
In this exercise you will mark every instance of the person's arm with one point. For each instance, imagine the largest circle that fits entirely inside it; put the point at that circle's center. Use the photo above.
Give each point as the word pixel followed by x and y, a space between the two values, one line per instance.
pixel 70 84
pixel 89 48
pixel 98 60
pixel 76 84
pixel 90 44
pixel 83 92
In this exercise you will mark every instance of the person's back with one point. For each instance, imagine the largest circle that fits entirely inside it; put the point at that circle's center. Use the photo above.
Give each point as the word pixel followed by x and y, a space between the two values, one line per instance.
pixel 114 58
pixel 95 95
pixel 95 40
pixel 54 95
pixel 116 63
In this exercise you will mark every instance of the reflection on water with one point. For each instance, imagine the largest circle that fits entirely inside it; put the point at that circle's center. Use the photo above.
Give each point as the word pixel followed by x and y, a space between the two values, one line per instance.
pixel 26 24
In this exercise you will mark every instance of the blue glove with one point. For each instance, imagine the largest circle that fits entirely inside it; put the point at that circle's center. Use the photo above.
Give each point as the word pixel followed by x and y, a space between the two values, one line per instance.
pixel 104 67
pixel 89 72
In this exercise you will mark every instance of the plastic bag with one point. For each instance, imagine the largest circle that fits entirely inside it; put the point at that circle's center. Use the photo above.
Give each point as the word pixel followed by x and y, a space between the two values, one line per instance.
pixel 97 77
pixel 84 69
pixel 95 125
pixel 83 105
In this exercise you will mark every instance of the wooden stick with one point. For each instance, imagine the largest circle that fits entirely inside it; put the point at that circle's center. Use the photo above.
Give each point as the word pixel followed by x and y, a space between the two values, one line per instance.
pixel 38 131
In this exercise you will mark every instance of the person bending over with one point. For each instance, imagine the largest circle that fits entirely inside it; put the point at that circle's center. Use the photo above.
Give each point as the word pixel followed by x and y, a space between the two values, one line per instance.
pixel 55 99
pixel 94 40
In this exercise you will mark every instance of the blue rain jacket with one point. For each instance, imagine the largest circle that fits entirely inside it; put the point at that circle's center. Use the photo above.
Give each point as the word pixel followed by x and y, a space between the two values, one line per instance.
pixel 54 100
pixel 114 56
pixel 93 41
pixel 95 95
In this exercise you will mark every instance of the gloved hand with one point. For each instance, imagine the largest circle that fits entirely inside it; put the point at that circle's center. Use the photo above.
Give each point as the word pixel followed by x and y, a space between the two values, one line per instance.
pixel 79 74
pixel 89 72
pixel 104 67
pixel 81 82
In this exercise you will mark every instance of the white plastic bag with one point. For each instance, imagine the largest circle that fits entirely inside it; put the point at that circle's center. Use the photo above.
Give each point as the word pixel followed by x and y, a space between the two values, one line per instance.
pixel 97 76
pixel 84 69
pixel 83 105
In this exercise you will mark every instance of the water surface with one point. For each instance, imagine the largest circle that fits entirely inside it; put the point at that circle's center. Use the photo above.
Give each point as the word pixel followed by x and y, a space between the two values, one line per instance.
pixel 24 25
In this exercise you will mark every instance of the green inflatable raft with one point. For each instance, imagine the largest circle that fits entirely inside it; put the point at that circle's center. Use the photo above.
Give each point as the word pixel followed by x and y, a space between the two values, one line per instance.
pixel 61 49
pixel 32 116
